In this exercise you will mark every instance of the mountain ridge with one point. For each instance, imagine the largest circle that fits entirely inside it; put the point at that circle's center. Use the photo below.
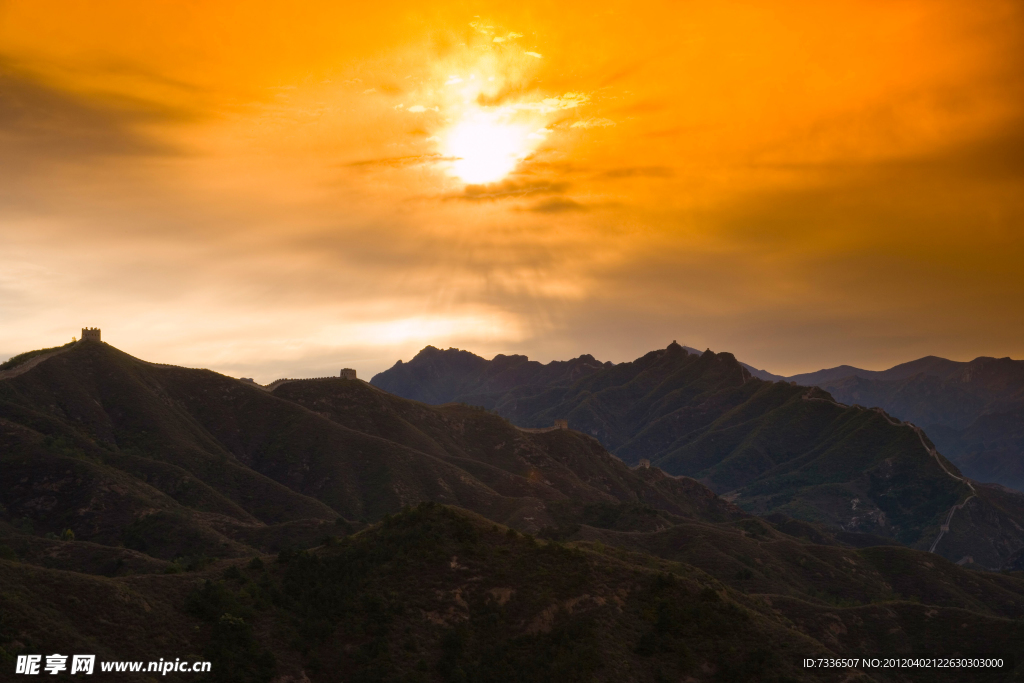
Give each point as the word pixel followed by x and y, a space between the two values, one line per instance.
pixel 286 535
pixel 973 410
pixel 769 446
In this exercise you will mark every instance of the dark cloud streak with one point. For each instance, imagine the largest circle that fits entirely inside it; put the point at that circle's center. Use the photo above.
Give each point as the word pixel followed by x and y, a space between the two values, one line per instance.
pixel 637 172
pixel 558 205
pixel 508 189
pixel 40 123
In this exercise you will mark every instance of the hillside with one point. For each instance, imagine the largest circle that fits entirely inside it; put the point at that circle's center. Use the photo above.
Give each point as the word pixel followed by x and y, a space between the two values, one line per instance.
pixel 767 446
pixel 440 594
pixel 140 502
pixel 162 459
pixel 971 410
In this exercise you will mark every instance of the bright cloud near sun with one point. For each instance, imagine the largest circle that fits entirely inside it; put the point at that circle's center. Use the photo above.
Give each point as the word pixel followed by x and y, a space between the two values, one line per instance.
pixel 482 130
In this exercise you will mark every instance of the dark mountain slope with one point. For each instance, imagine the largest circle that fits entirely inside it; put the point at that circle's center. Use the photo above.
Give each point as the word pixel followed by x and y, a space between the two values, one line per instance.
pixel 270 457
pixel 176 462
pixel 972 410
pixel 952 396
pixel 990 449
pixel 929 365
pixel 771 447
pixel 660 579
pixel 436 376
pixel 923 399
pixel 556 465
pixel 77 556
pixel 47 492
pixel 97 395
pixel 753 556
pixel 438 594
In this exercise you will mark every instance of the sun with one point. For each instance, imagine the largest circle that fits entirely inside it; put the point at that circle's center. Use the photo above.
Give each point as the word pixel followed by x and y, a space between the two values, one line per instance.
pixel 485 147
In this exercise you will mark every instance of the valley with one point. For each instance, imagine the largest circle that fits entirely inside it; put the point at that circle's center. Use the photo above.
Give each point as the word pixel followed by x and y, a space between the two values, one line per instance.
pixel 330 526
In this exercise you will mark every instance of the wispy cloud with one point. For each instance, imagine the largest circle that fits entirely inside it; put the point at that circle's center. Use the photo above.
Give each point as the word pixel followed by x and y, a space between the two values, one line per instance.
pixel 40 121
pixel 507 37
pixel 398 162
pixel 593 123
pixel 508 189
pixel 637 172
pixel 558 205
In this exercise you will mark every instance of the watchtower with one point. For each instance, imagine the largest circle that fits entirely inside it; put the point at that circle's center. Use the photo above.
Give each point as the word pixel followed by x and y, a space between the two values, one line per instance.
pixel 561 424
pixel 90 334
pixel 645 463
pixel 348 373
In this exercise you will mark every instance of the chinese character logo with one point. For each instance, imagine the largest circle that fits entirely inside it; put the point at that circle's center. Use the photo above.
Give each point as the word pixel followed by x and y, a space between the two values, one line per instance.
pixel 28 664
pixel 55 663
pixel 83 664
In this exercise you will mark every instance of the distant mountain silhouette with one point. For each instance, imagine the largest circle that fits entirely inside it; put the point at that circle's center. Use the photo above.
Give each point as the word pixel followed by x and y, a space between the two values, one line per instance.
pixel 929 365
pixel 974 411
pixel 769 446
pixel 161 458
pixel 139 504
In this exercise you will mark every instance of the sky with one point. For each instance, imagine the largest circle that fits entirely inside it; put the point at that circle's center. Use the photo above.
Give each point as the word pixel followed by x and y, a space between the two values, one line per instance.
pixel 282 189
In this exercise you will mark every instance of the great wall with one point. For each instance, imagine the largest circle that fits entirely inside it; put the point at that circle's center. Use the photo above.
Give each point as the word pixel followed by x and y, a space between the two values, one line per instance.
pixel 896 422
pixel 92 334
pixel 559 424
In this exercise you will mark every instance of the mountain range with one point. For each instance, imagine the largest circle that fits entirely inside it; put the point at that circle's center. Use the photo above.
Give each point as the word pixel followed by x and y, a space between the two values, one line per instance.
pixel 974 411
pixel 767 446
pixel 329 529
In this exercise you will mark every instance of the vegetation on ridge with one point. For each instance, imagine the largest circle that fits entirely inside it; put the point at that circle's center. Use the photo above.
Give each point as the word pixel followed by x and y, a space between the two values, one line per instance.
pixel 766 446
pixel 15 361
pixel 158 510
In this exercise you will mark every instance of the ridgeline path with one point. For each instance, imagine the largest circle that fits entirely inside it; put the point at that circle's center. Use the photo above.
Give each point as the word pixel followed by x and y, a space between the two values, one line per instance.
pixel 949 517
pixel 32 362
pixel 931 451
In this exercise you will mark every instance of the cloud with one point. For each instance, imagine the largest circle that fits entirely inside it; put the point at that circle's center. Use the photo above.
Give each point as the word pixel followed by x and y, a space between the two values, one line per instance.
pixel 569 100
pixel 397 162
pixel 509 36
pixel 637 172
pixel 43 122
pixel 593 123
pixel 507 189
pixel 481 27
pixel 755 221
pixel 558 205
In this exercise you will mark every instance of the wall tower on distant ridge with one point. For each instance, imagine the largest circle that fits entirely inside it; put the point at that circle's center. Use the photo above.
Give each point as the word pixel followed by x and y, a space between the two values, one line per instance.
pixel 561 424
pixel 348 373
pixel 90 334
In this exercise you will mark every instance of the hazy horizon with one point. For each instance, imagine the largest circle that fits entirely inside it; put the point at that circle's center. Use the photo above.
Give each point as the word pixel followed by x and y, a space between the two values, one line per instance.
pixel 271 189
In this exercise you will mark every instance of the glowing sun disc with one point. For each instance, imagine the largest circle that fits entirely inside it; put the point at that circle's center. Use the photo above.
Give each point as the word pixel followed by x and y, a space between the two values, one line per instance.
pixel 485 149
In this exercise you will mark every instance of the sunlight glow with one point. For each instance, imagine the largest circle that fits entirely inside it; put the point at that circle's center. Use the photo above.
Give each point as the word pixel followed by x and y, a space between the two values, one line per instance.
pixel 483 109
pixel 477 324
pixel 485 148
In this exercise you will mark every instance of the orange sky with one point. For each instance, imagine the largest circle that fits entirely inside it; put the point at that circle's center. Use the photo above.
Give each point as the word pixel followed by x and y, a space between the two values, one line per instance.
pixel 282 189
